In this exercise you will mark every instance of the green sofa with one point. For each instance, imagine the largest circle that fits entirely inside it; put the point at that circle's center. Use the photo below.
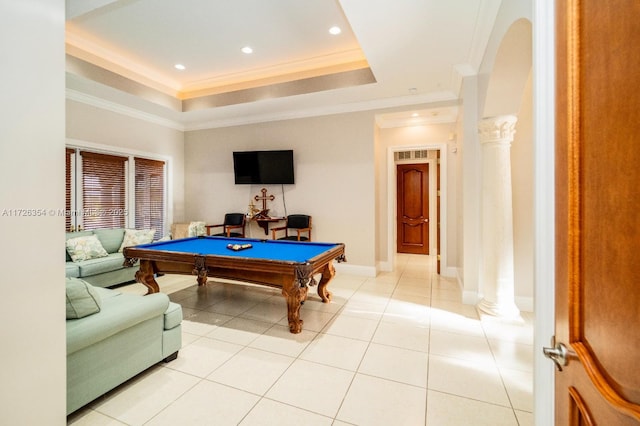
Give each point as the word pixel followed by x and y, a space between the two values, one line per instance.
pixel 128 334
pixel 104 271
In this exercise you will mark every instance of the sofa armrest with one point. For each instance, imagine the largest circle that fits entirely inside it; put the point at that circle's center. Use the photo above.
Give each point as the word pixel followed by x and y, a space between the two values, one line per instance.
pixel 117 313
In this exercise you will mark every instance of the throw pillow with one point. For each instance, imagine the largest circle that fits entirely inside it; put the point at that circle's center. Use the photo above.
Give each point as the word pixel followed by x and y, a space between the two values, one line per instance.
pixel 82 299
pixel 135 237
pixel 85 248
pixel 197 229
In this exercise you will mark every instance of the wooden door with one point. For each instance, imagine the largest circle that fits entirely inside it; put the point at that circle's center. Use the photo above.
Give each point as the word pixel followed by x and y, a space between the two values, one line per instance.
pixel 413 208
pixel 597 212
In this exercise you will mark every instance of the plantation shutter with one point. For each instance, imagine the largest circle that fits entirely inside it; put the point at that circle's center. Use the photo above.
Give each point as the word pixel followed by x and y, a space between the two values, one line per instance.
pixel 149 188
pixel 103 190
pixel 67 198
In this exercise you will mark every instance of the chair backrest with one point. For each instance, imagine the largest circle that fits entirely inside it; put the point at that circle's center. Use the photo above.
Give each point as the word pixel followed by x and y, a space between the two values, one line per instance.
pixel 298 221
pixel 234 219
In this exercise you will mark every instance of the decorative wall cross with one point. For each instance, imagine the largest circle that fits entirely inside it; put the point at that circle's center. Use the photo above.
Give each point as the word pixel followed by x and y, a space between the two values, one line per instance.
pixel 264 199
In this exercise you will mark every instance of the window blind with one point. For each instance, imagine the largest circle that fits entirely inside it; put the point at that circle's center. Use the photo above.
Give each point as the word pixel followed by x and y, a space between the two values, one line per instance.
pixel 69 153
pixel 103 190
pixel 149 195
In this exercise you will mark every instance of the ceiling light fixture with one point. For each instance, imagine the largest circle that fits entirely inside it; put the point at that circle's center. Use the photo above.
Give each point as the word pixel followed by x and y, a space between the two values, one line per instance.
pixel 180 67
pixel 247 50
pixel 335 30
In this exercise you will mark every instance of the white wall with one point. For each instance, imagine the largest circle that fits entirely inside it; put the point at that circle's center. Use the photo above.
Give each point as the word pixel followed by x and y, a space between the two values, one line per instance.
pixel 94 126
pixel 522 186
pixel 334 175
pixel 32 372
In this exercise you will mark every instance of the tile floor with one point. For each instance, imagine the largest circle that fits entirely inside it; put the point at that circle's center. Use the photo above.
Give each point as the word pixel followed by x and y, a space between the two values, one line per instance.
pixel 398 349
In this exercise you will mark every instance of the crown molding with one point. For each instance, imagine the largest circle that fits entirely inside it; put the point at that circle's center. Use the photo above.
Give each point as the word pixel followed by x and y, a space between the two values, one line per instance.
pixel 322 111
pixel 94 101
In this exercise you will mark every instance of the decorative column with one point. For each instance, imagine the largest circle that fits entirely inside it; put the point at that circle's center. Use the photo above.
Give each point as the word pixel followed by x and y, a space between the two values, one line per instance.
pixel 496 267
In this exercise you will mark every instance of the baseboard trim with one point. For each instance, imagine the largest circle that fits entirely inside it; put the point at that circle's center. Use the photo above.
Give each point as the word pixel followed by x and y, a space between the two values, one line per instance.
pixel 365 271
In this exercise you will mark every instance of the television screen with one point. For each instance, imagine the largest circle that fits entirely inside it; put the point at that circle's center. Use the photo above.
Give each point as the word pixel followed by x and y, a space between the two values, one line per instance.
pixel 263 167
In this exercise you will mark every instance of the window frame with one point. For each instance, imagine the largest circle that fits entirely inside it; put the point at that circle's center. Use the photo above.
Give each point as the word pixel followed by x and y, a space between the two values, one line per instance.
pixel 130 219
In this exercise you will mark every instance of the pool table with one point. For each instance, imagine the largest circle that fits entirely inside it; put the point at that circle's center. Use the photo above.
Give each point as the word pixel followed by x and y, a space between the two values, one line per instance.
pixel 288 265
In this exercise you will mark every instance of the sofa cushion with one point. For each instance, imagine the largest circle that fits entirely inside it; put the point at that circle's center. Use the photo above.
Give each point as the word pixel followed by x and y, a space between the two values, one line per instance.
pixel 134 237
pixel 84 248
pixel 75 235
pixel 82 299
pixel 111 262
pixel 111 239
pixel 72 270
pixel 118 313
pixel 172 316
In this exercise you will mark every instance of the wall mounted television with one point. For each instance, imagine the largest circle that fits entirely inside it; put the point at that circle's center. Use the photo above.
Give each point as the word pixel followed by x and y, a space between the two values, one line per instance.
pixel 263 167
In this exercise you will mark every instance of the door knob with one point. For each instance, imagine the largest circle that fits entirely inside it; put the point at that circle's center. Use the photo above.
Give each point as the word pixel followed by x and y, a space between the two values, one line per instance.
pixel 426 220
pixel 557 354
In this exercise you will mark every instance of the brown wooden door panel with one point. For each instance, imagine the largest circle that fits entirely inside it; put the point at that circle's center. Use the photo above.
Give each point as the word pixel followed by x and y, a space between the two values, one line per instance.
pixel 598 199
pixel 413 208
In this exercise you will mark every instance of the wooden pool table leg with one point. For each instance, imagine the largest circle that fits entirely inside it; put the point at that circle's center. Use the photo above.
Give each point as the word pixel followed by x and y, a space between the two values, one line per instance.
pixel 328 273
pixel 144 275
pixel 295 295
pixel 200 269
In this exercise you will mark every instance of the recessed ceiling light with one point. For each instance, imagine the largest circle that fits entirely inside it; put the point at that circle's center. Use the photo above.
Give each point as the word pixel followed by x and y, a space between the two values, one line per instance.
pixel 247 50
pixel 415 114
pixel 335 30
pixel 180 67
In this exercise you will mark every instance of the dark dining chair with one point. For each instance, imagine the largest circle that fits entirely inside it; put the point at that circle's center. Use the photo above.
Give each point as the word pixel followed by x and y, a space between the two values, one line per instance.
pixel 233 226
pixel 296 225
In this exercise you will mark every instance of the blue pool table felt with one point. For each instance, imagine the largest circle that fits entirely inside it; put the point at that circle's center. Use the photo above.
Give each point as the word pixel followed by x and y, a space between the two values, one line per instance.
pixel 287 251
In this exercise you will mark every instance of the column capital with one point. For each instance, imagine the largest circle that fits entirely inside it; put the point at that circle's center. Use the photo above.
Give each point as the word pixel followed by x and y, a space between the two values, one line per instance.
pixel 498 129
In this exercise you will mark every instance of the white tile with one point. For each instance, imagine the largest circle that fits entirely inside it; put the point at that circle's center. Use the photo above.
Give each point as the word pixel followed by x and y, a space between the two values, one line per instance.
pixel 518 333
pixel 203 356
pixel 206 321
pixel 314 387
pixel 335 351
pixel 466 378
pixel 448 317
pixel 273 413
pixel 405 336
pixel 450 410
pixel 207 403
pixel 252 370
pixel 519 386
pixel 352 327
pixel 232 306
pixel 314 303
pixel 513 356
pixel 311 320
pixel 401 365
pixel 446 294
pixel 145 395
pixel 88 417
pixel 362 309
pixel 524 418
pixel 241 331
pixel 373 401
pixel 280 340
pixel 272 310
pixel 463 346
pixel 408 312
